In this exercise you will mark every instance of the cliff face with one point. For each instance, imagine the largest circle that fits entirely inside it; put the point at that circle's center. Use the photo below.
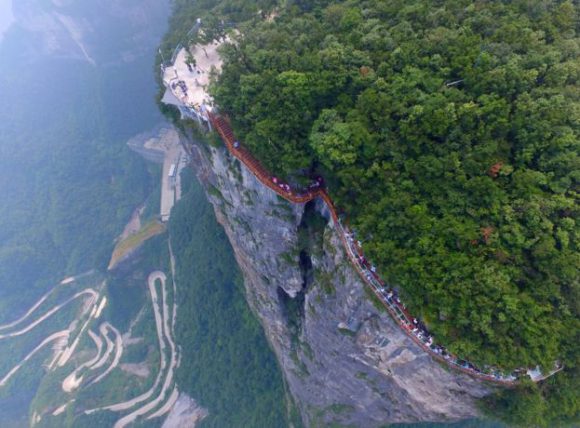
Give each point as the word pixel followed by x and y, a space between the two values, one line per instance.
pixel 344 359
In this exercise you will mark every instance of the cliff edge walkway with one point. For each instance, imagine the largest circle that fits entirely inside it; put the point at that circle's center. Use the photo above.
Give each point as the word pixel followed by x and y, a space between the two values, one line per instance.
pixel 414 328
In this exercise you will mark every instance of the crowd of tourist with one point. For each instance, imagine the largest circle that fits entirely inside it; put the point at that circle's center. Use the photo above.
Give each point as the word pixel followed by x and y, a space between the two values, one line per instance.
pixel 412 325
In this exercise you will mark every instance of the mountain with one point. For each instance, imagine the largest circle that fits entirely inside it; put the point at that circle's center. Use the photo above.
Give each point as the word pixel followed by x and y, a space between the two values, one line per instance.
pixel 434 127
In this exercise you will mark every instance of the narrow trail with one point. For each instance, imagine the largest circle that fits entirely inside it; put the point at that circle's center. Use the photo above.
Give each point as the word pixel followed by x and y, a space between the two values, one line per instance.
pixel 59 337
pixel 387 296
pixel 94 295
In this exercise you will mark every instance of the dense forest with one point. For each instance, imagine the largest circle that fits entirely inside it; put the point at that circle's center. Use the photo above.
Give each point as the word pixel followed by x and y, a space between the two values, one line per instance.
pixel 227 364
pixel 447 132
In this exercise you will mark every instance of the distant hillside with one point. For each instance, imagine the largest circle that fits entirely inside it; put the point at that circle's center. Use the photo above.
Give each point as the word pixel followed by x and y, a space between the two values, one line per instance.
pixel 67 180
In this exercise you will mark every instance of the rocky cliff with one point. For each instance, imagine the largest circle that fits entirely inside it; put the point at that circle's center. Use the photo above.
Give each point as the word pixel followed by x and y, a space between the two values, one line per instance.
pixel 344 359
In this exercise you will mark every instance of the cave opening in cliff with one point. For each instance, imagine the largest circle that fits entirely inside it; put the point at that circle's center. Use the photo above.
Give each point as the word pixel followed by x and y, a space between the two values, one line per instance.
pixel 310 242
pixel 305 263
pixel 293 308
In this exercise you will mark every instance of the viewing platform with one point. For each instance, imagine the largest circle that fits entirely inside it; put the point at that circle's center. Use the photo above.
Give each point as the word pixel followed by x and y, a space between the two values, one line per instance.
pixel 187 78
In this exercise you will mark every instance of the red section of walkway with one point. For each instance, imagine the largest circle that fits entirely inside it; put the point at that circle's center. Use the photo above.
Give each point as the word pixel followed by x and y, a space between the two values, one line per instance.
pixel 394 307
pixel 240 152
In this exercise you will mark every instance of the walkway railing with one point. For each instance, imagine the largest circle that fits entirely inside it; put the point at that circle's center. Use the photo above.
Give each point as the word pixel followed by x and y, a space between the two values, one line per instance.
pixel 387 296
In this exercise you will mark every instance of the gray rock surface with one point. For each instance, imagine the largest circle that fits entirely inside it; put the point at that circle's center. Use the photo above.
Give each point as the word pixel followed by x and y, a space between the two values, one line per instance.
pixel 185 413
pixel 345 361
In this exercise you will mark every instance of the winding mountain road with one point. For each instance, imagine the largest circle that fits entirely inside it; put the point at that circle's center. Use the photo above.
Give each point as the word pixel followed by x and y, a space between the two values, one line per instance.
pixel 59 337
pixel 170 372
pixel 69 350
pixel 167 406
pixel 40 301
pixel 166 367
pixel 108 349
pixel 93 296
pixel 118 346
pixel 29 312
pixel 73 380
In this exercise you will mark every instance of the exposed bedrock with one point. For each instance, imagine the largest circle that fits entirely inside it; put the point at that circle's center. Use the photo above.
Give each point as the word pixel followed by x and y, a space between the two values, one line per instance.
pixel 344 360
